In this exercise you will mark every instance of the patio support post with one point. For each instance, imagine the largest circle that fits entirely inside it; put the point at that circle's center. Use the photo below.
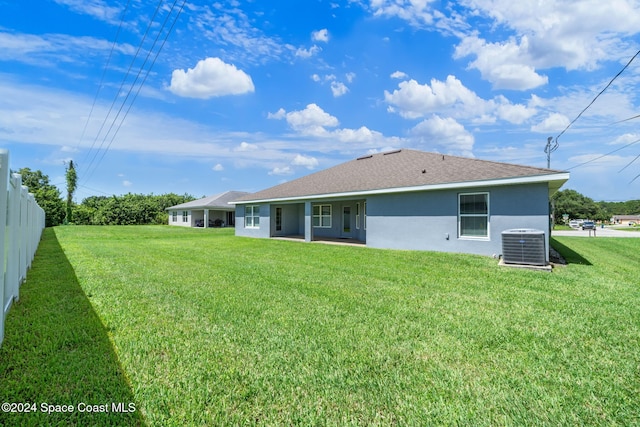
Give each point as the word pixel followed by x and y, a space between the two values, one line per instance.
pixel 308 227
pixel 206 218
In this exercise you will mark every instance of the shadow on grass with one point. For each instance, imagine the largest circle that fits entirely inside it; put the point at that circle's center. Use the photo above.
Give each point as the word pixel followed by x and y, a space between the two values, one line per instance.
pixel 570 256
pixel 56 351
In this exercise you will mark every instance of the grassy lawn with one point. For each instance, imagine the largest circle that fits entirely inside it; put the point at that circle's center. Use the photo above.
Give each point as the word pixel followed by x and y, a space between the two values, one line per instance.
pixel 199 327
pixel 627 228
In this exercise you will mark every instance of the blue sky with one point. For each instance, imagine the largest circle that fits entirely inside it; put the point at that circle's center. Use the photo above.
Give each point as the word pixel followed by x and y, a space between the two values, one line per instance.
pixel 243 95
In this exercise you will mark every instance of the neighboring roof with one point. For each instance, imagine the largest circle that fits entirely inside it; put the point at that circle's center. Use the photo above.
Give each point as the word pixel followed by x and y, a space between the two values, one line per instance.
pixel 217 201
pixel 626 217
pixel 405 170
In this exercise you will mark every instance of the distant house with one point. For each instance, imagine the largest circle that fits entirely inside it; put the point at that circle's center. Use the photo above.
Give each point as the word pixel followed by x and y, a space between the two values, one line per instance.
pixel 625 219
pixel 212 211
pixel 406 199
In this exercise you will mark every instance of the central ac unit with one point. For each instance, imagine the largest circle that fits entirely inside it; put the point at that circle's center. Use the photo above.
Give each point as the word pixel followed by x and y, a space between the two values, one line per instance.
pixel 524 246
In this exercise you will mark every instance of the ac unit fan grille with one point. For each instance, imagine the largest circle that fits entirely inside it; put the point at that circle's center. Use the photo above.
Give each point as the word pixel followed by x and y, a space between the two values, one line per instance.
pixel 524 246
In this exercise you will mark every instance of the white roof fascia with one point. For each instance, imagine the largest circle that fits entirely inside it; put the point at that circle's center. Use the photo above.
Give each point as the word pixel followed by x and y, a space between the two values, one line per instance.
pixel 563 176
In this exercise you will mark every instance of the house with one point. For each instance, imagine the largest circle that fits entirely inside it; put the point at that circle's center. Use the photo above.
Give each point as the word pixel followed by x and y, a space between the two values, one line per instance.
pixel 406 199
pixel 626 219
pixel 212 211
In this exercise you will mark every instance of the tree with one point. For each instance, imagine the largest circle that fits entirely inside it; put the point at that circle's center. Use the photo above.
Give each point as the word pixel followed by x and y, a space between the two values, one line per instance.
pixel 127 209
pixel 72 184
pixel 47 195
pixel 575 205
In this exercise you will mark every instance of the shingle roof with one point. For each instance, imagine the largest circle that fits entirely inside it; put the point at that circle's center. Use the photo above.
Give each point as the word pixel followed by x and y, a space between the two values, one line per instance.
pixel 396 169
pixel 217 201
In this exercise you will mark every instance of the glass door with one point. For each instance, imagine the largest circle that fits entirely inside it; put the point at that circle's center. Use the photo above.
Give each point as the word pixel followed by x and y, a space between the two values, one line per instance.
pixel 278 219
pixel 346 221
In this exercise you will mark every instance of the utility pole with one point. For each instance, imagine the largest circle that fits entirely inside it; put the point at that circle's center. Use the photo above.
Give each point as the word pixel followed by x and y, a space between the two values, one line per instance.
pixel 550 148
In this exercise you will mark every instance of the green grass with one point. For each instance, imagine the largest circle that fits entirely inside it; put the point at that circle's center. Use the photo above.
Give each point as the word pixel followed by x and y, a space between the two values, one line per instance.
pixel 56 350
pixel 627 228
pixel 199 327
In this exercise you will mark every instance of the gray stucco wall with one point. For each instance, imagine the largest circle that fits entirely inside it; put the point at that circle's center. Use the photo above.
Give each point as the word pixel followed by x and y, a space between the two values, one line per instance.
pixel 292 219
pixel 263 230
pixel 429 220
pixel 416 221
pixel 336 230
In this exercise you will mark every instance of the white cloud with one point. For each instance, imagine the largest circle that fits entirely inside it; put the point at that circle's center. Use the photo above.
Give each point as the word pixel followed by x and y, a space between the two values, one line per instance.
pixel 416 12
pixel 360 135
pixel 126 183
pixel 554 122
pixel 320 35
pixel 314 121
pixel 311 121
pixel 52 49
pixel 95 8
pixel 513 113
pixel 446 133
pixel 547 34
pixel 286 170
pixel 306 161
pixel 415 100
pixel 505 65
pixel 231 29
pixel 278 115
pixel 245 146
pixel 626 138
pixel 218 168
pixel 308 53
pixel 399 75
pixel 338 89
pixel 210 78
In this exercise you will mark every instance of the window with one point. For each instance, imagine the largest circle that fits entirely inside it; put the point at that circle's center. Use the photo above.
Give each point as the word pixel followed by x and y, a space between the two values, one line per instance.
pixel 185 216
pixel 252 216
pixel 174 216
pixel 357 216
pixel 346 219
pixel 364 212
pixel 278 219
pixel 473 218
pixel 322 216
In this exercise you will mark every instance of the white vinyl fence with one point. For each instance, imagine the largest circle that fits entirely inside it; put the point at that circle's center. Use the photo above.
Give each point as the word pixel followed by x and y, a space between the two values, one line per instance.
pixel 21 225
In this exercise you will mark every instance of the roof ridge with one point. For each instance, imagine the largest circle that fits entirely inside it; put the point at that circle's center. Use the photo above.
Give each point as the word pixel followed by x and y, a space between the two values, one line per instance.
pixel 398 168
pixel 481 160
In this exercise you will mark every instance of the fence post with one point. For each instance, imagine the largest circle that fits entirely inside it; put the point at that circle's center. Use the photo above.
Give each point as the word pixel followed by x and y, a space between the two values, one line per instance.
pixel 21 223
pixel 4 284
pixel 13 224
pixel 23 233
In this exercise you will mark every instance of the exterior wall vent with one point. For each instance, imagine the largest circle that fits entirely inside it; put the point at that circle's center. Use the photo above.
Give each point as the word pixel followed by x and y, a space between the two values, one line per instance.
pixel 524 246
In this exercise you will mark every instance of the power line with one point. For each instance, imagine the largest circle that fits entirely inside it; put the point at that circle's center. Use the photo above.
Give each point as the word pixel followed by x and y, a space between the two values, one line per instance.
pixel 124 79
pixel 598 95
pixel 148 71
pixel 104 72
pixel 626 120
pixel 550 148
pixel 630 163
pixel 605 155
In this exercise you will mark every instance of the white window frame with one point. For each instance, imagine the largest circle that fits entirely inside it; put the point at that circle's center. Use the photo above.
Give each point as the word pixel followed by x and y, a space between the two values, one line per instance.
pixel 252 216
pixel 321 216
pixel 358 216
pixel 486 215
pixel 185 216
pixel 174 216
pixel 364 214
